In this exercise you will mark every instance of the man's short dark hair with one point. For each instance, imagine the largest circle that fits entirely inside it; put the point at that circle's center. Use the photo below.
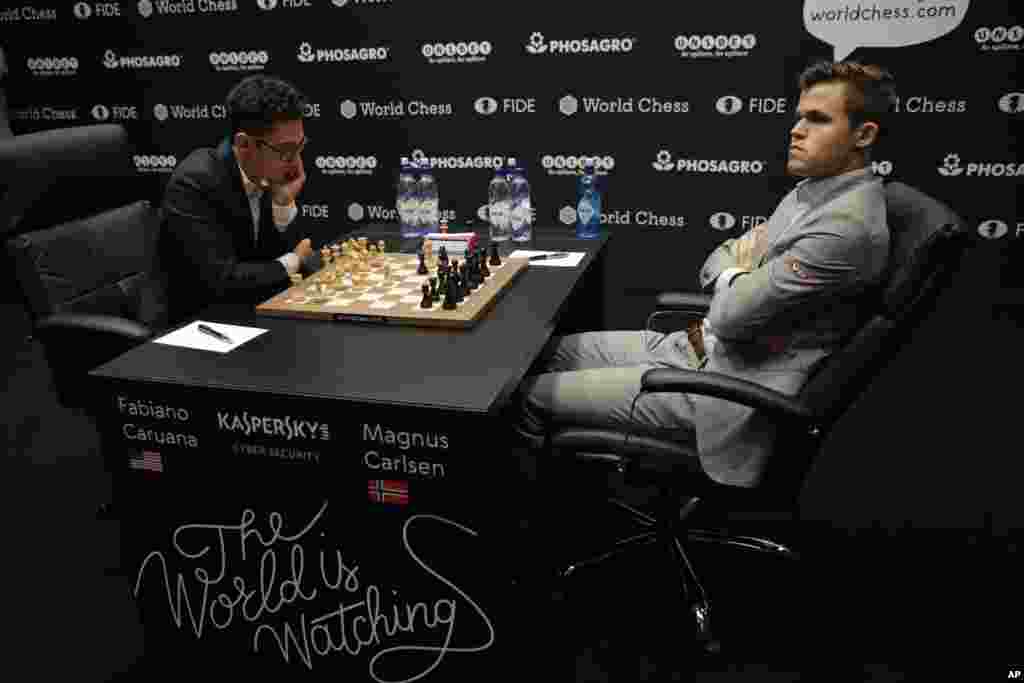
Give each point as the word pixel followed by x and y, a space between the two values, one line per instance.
pixel 870 90
pixel 257 102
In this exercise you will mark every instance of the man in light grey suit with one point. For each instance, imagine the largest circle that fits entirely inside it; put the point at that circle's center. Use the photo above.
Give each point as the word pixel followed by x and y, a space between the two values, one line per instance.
pixel 784 295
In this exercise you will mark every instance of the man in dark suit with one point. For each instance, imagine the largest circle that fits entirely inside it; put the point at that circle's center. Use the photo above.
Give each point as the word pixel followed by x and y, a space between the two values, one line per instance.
pixel 227 210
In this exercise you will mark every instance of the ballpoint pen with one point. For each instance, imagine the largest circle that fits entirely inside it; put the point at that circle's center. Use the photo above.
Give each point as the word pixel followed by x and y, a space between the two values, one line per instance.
pixel 214 333
pixel 542 257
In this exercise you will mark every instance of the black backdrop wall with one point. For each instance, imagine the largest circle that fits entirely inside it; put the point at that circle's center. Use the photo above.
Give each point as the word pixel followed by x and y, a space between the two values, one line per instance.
pixel 685 106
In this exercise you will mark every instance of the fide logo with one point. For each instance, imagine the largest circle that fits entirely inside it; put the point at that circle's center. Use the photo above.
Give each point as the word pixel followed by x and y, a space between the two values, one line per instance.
pixel 993 229
pixel 1012 103
pixel 951 166
pixel 722 221
pixel 729 105
pixel 82 10
pixel 568 105
pixel 486 105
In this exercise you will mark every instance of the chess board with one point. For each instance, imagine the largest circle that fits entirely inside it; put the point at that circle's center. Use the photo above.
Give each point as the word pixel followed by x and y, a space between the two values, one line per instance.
pixel 388 295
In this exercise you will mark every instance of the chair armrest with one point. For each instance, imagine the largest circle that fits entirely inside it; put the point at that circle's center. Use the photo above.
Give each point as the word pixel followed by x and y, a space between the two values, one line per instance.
pixel 684 302
pixel 725 387
pixel 90 325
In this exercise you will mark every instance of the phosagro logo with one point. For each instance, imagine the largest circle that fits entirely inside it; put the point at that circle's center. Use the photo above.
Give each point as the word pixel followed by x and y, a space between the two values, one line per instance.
pixel 539 46
pixel 702 46
pixel 395 109
pixel 559 164
pixel 994 229
pixel 155 163
pixel 570 105
pixel 346 165
pixel 52 66
pixel 951 168
pixel 308 55
pixel 251 60
pixel 731 104
pixel 999 38
pixel 112 60
pixel 664 162
pixel 1012 103
pixel 471 52
pixel 116 112
pixel 459 162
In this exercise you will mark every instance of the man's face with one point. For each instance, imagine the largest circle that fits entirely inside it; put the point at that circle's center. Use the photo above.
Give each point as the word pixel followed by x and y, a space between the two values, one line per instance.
pixel 260 157
pixel 821 141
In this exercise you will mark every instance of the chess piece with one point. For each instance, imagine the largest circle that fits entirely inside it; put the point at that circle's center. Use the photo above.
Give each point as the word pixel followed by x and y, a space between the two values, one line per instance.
pixel 495 260
pixel 442 255
pixel 427 301
pixel 380 247
pixel 435 293
pixel 485 272
pixel 422 268
pixel 450 302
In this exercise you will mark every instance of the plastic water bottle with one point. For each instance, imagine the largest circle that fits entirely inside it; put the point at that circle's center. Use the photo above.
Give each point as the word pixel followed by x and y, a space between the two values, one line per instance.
pixel 429 209
pixel 406 202
pixel 588 204
pixel 521 215
pixel 499 206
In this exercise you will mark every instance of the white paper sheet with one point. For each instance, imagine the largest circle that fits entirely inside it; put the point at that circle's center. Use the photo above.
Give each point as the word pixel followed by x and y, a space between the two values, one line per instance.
pixel 190 337
pixel 572 258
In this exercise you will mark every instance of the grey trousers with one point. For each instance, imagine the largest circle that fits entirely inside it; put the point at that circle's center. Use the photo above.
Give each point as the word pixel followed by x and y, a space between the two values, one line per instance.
pixel 593 379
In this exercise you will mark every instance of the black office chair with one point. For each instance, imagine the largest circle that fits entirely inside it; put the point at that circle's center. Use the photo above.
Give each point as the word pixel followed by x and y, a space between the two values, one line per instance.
pixel 927 244
pixel 83 254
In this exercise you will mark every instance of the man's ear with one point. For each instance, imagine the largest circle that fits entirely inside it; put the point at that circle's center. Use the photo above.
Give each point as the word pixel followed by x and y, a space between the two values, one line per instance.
pixel 867 133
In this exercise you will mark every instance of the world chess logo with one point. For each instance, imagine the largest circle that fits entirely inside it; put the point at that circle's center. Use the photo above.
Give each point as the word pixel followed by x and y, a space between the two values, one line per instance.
pixel 1012 103
pixel 356 212
pixel 110 59
pixel 729 105
pixel 663 161
pixel 486 105
pixel 82 10
pixel 339 3
pixel 993 229
pixel 722 221
pixel 347 109
pixel 306 53
pixel 567 215
pixel 145 8
pixel 568 105
pixel 536 46
pixel 161 112
pixel 267 4
pixel 951 166
pixel 100 112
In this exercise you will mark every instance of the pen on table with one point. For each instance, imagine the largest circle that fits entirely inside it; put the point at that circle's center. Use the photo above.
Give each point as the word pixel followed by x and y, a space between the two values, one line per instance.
pixel 214 333
pixel 541 257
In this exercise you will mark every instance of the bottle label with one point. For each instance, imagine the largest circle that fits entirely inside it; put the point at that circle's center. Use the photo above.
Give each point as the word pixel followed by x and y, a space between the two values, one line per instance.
pixel 585 211
pixel 499 214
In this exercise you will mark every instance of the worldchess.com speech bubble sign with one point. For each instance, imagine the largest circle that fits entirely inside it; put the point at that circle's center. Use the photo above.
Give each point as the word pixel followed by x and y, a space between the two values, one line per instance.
pixel 881 23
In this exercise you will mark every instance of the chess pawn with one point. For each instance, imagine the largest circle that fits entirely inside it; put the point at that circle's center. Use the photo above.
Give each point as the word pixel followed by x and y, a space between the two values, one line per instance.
pixel 427 301
pixel 380 247
pixel 485 272
pixel 435 293
pixel 422 268
pixel 495 259
pixel 450 295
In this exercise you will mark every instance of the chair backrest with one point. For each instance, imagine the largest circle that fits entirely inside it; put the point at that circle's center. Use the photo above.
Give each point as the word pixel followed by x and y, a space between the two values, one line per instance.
pixel 105 263
pixel 927 243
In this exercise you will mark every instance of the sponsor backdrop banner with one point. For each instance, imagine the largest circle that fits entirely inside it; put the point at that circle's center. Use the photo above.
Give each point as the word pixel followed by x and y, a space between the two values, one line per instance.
pixel 685 109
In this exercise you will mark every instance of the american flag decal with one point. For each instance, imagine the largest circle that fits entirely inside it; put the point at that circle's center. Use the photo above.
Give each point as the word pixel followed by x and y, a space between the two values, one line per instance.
pixel 389 491
pixel 149 461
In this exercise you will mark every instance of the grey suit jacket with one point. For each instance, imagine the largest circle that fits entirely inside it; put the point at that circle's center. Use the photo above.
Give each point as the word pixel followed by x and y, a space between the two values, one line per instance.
pixel 826 243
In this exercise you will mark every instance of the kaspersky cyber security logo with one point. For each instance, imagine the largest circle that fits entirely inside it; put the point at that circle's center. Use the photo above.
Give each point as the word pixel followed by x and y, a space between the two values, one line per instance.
pixel 571 164
pixel 463 52
pixel 951 167
pixel 665 163
pixel 307 54
pixel 538 45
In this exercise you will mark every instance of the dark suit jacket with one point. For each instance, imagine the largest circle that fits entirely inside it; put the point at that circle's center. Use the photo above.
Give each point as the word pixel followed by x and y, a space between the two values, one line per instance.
pixel 208 250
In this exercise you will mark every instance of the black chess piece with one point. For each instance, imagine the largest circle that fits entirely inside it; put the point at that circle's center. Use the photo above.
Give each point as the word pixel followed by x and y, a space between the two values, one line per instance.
pixel 460 286
pixel 427 301
pixel 435 293
pixel 470 273
pixel 495 259
pixel 464 281
pixel 485 272
pixel 450 299
pixel 442 256
pixel 422 269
